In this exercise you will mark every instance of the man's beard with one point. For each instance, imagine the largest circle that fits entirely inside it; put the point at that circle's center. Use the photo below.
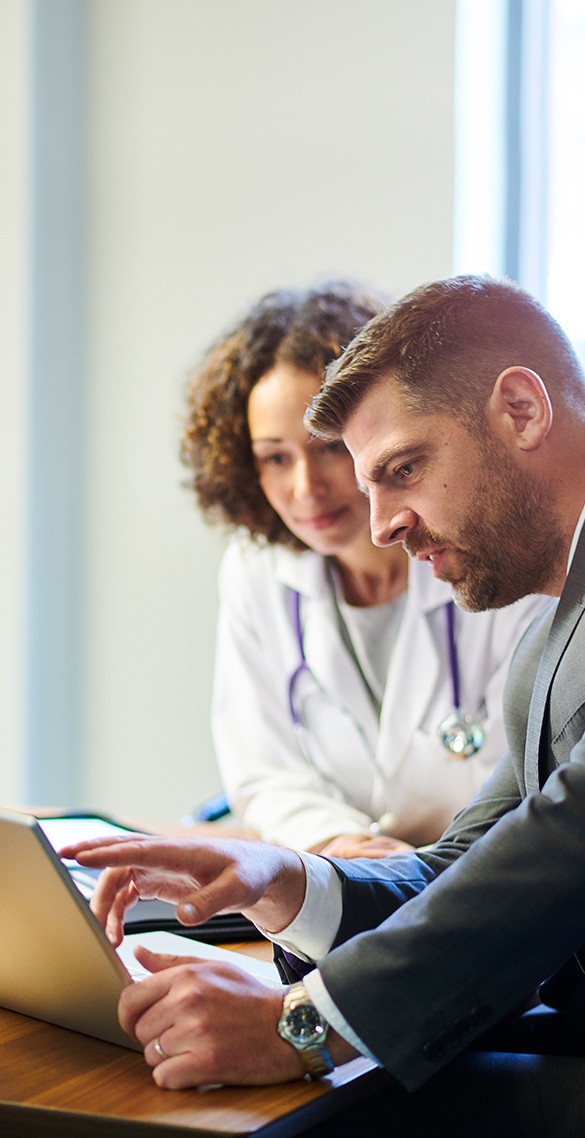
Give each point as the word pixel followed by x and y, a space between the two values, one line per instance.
pixel 510 546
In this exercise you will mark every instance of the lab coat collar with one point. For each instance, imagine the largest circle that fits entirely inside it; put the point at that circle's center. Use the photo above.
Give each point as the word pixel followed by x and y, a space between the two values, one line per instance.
pixel 306 573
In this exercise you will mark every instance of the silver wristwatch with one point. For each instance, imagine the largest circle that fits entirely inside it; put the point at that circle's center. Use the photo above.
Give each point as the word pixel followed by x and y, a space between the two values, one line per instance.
pixel 303 1026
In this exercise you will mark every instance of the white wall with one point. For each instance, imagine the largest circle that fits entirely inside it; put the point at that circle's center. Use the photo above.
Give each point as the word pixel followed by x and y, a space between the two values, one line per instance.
pixel 14 32
pixel 233 146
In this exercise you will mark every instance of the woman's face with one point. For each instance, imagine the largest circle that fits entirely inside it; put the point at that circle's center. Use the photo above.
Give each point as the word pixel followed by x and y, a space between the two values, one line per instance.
pixel 310 483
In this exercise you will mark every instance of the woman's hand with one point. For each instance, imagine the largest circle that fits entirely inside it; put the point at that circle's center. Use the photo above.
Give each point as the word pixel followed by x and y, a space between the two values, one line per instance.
pixel 361 845
pixel 201 876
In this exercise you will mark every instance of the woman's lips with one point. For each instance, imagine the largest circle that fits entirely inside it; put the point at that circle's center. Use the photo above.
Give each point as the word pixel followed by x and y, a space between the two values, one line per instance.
pixel 322 521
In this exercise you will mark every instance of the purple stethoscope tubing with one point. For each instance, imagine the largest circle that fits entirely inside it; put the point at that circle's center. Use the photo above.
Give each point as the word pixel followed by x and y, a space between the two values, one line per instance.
pixel 460 734
pixel 452 650
pixel 302 664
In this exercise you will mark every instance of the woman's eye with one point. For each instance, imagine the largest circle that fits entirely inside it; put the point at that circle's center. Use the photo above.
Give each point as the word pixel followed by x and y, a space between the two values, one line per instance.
pixel 276 459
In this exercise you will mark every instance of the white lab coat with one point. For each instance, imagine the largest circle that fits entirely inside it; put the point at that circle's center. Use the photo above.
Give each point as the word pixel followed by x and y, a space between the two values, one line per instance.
pixel 269 782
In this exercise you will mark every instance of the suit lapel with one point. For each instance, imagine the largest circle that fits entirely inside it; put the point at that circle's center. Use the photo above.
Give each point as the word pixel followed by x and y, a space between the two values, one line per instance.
pixel 569 609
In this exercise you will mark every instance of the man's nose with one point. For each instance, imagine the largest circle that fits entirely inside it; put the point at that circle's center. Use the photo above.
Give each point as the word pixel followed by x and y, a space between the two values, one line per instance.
pixel 389 527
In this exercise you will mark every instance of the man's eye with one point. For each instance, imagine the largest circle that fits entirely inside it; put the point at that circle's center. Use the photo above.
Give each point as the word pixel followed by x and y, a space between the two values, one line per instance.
pixel 406 470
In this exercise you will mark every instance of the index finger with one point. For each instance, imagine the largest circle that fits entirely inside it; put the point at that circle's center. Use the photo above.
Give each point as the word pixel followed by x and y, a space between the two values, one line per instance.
pixel 106 846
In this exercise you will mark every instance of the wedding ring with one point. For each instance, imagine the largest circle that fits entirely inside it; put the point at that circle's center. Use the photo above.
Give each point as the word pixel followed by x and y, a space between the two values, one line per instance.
pixel 158 1047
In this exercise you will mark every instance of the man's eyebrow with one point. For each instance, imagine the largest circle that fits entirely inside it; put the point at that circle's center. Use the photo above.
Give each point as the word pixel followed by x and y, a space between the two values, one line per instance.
pixel 388 458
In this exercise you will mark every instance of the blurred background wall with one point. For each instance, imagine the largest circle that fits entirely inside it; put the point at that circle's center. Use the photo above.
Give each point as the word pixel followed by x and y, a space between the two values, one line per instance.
pixel 165 162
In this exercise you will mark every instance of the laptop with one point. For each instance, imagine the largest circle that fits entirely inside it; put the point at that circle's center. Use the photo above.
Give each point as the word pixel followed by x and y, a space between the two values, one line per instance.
pixel 56 962
pixel 65 829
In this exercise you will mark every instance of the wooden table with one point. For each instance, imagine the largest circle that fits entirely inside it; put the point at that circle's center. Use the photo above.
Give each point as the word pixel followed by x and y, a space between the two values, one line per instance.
pixel 57 1083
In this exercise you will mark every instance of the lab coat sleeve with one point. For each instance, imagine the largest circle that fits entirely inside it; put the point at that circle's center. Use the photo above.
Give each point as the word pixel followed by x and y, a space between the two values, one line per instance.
pixel 267 779
pixel 391 882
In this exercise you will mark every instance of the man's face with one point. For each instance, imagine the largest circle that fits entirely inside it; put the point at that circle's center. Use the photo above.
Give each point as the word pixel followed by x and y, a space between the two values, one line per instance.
pixel 484 524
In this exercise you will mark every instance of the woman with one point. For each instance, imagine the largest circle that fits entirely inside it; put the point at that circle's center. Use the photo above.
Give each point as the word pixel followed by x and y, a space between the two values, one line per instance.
pixel 338 664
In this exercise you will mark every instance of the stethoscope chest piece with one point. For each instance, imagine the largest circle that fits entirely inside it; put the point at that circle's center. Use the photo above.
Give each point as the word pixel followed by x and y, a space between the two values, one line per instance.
pixel 385 825
pixel 461 735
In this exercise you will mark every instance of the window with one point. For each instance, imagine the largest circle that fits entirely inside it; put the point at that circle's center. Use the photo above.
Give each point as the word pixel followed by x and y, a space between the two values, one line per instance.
pixel 520 149
pixel 565 220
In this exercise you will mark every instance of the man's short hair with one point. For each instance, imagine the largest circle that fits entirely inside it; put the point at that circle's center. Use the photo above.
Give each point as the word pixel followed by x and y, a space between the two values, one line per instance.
pixel 445 344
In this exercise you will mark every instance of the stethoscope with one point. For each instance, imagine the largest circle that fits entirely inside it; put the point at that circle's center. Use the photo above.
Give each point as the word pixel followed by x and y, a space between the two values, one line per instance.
pixel 460 733
pixel 302 732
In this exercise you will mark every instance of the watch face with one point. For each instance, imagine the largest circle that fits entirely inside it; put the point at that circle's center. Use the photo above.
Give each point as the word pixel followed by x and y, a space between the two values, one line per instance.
pixel 304 1024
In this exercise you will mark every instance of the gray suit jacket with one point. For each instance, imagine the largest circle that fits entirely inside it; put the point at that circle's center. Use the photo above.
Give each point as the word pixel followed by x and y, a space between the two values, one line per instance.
pixel 479 933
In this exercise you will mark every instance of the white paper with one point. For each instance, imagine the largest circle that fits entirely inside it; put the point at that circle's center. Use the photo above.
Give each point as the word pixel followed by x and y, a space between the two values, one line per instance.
pixel 264 970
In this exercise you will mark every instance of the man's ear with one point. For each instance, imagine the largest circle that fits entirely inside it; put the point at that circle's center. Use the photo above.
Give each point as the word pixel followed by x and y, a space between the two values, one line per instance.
pixel 519 410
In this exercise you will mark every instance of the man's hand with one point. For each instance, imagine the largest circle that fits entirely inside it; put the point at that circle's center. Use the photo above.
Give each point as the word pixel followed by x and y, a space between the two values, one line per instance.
pixel 203 1022
pixel 201 876
pixel 361 845
pixel 213 1023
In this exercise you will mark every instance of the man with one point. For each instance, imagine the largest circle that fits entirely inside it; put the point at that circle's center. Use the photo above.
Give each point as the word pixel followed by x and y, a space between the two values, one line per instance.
pixel 464 410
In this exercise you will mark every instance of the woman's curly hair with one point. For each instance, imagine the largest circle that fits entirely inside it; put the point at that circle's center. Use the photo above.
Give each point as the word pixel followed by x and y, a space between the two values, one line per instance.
pixel 306 328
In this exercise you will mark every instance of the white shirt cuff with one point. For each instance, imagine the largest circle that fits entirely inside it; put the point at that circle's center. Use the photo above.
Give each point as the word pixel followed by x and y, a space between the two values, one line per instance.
pixel 313 930
pixel 311 935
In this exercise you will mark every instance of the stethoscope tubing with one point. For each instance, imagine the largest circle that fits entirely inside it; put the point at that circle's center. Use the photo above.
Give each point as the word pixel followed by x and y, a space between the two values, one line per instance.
pixel 462 723
pixel 453 656
pixel 302 664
